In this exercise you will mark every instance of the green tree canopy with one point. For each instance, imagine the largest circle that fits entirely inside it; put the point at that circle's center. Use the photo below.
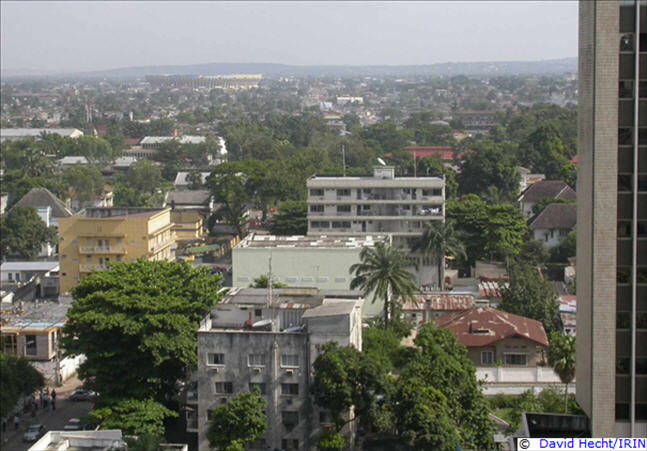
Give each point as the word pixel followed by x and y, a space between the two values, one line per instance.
pixel 291 219
pixel 383 271
pixel 488 165
pixel 17 379
pixel 262 281
pixel 87 181
pixel 134 416
pixel 241 420
pixel 530 295
pixel 142 316
pixel 438 240
pixel 144 175
pixel 22 232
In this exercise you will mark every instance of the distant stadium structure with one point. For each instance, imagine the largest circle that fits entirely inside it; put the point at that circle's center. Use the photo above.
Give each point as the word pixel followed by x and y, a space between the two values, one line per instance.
pixel 234 81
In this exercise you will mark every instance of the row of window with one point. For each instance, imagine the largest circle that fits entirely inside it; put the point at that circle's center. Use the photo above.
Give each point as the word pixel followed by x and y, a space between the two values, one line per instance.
pixel 625 182
pixel 623 320
pixel 326 224
pixel 344 192
pixel 255 360
pixel 227 388
pixel 625 229
pixel 623 274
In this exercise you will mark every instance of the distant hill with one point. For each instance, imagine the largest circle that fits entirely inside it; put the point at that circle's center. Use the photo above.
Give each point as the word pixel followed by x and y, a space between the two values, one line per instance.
pixel 556 66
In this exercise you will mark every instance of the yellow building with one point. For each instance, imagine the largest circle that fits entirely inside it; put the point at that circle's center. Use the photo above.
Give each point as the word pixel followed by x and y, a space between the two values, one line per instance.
pixel 101 236
pixel 187 225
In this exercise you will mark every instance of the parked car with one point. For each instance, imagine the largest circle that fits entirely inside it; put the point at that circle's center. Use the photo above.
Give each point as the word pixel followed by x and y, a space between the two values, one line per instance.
pixel 33 433
pixel 73 424
pixel 82 395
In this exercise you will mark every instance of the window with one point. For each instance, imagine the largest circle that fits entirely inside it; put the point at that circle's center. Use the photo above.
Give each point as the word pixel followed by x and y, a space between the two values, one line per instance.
pixel 30 344
pixel 261 387
pixel 9 277
pixel 627 43
pixel 256 360
pixel 320 224
pixel 17 277
pixel 258 312
pixel 316 192
pixel 10 344
pixel 316 208
pixel 210 414
pixel 343 192
pixel 515 359
pixel 341 224
pixel 626 89
pixel 215 359
pixel 290 360
pixel 343 208
pixel 224 387
pixel 290 389
pixel 487 357
pixel 290 419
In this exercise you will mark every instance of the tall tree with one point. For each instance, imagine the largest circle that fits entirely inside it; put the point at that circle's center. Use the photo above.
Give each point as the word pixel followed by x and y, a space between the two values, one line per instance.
pixel 438 240
pixel 383 272
pixel 240 421
pixel 530 295
pixel 489 165
pixel 22 232
pixel 291 219
pixel 86 181
pixel 17 379
pixel 144 175
pixel 134 416
pixel 561 356
pixel 142 316
pixel 230 191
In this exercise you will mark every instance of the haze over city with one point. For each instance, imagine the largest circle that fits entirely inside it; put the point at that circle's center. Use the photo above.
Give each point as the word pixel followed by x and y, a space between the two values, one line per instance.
pixel 90 36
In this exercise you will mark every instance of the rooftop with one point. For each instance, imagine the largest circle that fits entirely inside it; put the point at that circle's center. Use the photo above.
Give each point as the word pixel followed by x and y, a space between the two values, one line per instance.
pixel 33 315
pixel 42 197
pixel 440 302
pixel 187 139
pixel 100 440
pixel 181 178
pixel 548 189
pixel 310 241
pixel 555 216
pixel 196 197
pixel 117 212
pixel 484 326
pixel 29 266
pixel 36 132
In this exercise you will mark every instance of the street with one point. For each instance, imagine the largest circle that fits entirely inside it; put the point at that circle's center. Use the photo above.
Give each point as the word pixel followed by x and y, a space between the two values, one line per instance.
pixel 53 420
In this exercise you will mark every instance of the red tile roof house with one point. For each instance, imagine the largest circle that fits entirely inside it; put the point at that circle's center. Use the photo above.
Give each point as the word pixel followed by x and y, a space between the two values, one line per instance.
pixel 493 337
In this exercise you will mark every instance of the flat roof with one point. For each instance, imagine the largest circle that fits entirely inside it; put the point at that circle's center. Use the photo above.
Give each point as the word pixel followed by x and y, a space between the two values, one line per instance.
pixel 33 315
pixel 331 308
pixel 310 241
pixel 29 266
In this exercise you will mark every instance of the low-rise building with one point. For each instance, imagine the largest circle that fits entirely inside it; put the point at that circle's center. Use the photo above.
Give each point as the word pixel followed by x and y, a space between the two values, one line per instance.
pixel 101 236
pixel 477 121
pixel 269 341
pixel 182 183
pixel 544 189
pixel 12 134
pixel 318 261
pixel 494 337
pixel 188 226
pixel 198 200
pixel 32 330
pixel 12 272
pixel 553 224
pixel 42 197
pixel 100 440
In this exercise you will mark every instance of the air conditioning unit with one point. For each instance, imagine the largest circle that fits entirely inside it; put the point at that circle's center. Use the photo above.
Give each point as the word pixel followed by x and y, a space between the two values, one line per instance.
pixel 289 372
pixel 216 369
pixel 257 370
pixel 288 402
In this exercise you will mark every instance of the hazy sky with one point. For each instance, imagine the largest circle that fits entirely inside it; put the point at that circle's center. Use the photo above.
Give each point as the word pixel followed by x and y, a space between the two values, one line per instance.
pixel 76 36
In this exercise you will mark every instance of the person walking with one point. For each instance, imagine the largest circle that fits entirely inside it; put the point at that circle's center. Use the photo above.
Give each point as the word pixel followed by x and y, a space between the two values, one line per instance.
pixel 54 399
pixel 16 421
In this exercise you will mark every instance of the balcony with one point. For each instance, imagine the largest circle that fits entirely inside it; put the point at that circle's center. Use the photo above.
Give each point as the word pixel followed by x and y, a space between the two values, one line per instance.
pixel 158 247
pixel 92 267
pixel 102 250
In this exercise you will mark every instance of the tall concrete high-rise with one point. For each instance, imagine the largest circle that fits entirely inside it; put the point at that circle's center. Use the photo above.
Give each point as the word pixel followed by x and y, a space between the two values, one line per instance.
pixel 612 217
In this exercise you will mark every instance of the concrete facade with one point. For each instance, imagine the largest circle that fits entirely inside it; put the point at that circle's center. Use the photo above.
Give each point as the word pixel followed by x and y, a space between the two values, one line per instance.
pixel 251 342
pixel 611 218
pixel 381 204
pixel 302 261
pixel 104 235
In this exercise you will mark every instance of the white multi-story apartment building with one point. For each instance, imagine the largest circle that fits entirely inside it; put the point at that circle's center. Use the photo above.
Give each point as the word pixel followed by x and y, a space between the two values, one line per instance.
pixel 381 204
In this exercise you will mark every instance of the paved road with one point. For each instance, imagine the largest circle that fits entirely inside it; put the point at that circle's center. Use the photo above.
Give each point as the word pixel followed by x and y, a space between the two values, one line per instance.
pixel 53 420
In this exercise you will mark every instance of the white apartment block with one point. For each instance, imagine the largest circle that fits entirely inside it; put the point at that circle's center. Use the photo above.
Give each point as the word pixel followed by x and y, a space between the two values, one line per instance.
pixel 379 205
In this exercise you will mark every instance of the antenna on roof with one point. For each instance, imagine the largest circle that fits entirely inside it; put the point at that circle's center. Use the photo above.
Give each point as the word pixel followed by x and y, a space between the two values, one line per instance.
pixel 381 161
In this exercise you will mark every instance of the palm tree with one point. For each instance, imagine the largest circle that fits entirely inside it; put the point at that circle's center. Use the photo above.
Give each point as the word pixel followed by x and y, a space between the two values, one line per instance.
pixel 437 240
pixel 561 356
pixel 383 271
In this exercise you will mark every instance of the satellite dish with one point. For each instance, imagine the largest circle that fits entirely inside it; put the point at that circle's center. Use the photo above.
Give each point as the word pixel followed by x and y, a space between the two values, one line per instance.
pixel 381 161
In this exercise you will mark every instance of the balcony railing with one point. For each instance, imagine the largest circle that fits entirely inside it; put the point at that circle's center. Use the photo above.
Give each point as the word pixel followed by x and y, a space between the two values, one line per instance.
pixel 102 250
pixel 163 244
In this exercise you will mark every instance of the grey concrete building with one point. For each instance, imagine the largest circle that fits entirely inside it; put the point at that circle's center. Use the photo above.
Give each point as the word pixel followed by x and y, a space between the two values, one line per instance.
pixel 612 218
pixel 256 339
pixel 381 204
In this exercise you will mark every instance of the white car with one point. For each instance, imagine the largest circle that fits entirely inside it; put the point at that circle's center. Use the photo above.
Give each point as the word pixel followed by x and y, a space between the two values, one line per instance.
pixel 33 433
pixel 73 424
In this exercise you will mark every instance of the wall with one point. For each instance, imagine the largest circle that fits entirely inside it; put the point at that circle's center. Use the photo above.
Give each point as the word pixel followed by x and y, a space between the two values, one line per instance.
pixel 508 345
pixel 237 345
pixel 555 236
